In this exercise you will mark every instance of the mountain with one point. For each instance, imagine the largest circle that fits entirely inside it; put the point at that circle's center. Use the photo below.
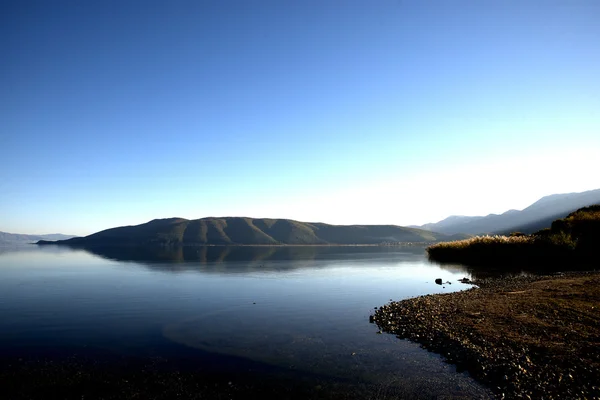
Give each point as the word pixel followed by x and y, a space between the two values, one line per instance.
pixel 249 231
pixel 570 242
pixel 446 223
pixel 531 219
pixel 11 239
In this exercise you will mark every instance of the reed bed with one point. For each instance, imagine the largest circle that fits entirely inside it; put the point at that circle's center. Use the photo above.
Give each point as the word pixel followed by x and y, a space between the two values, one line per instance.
pixel 486 240
pixel 572 240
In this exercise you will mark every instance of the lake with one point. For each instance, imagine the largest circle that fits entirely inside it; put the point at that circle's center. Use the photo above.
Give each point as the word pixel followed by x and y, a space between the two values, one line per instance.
pixel 217 322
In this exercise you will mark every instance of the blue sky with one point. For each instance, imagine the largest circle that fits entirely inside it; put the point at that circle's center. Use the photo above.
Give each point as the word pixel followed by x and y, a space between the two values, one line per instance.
pixel 399 112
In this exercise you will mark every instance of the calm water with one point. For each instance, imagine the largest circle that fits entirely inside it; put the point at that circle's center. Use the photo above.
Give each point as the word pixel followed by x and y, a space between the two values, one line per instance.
pixel 259 314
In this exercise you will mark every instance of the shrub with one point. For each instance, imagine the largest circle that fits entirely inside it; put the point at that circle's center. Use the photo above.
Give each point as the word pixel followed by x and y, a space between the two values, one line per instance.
pixel 570 241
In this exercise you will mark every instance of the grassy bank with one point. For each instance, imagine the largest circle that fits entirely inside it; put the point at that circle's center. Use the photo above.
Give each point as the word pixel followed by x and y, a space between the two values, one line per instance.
pixel 526 337
pixel 573 240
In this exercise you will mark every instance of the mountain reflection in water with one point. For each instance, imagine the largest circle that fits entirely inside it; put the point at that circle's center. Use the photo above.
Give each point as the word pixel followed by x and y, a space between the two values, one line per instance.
pixel 252 258
pixel 261 317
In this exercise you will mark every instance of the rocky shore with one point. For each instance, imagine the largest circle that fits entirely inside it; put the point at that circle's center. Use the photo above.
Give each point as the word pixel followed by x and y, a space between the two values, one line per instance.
pixel 531 337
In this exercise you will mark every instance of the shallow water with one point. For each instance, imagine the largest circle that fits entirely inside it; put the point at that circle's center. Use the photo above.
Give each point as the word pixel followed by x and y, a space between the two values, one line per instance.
pixel 301 309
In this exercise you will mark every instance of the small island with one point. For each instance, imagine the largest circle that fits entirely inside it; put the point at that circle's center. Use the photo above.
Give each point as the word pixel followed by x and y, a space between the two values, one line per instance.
pixel 532 335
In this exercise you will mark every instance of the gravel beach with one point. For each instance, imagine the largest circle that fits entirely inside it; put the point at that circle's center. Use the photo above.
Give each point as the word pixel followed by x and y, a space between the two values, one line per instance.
pixel 532 337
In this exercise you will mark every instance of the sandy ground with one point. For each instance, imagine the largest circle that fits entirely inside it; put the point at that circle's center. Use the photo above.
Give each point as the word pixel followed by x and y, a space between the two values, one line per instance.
pixel 526 337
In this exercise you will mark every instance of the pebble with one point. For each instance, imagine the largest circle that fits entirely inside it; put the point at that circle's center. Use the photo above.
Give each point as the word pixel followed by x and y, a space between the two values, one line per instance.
pixel 514 370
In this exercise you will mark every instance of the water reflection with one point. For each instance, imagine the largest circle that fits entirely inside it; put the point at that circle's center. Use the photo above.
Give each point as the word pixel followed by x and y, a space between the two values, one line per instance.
pixel 294 308
pixel 254 258
pixel 482 271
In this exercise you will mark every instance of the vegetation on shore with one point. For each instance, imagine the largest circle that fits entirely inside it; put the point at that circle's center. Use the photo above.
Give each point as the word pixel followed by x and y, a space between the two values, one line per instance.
pixel 569 240
pixel 526 337
pixel 537 216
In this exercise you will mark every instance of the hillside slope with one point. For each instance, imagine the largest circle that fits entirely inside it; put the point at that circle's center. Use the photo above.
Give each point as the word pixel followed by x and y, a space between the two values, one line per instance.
pixel 531 219
pixel 568 242
pixel 250 231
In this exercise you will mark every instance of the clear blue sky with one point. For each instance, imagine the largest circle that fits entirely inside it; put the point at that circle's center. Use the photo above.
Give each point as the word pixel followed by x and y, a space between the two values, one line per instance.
pixel 402 112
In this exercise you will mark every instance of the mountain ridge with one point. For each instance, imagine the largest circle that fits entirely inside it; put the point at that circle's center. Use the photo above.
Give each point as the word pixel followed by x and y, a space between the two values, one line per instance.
pixel 250 231
pixel 534 217
pixel 7 239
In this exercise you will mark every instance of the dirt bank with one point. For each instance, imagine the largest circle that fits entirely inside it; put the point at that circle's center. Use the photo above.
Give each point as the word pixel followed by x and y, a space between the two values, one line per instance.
pixel 525 337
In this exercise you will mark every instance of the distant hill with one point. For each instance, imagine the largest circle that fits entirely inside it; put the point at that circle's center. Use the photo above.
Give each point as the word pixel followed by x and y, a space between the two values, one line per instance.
pixel 570 242
pixel 537 216
pixel 10 239
pixel 447 223
pixel 250 231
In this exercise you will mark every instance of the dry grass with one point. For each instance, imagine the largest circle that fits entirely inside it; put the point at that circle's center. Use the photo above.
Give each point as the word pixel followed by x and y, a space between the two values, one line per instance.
pixel 489 250
pixel 526 337
pixel 570 241
pixel 487 240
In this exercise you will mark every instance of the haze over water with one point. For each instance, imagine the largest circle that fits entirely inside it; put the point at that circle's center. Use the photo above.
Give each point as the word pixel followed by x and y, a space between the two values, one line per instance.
pixel 258 317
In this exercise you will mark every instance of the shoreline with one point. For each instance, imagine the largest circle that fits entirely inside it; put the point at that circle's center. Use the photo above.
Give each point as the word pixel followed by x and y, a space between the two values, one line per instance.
pixel 158 245
pixel 523 337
